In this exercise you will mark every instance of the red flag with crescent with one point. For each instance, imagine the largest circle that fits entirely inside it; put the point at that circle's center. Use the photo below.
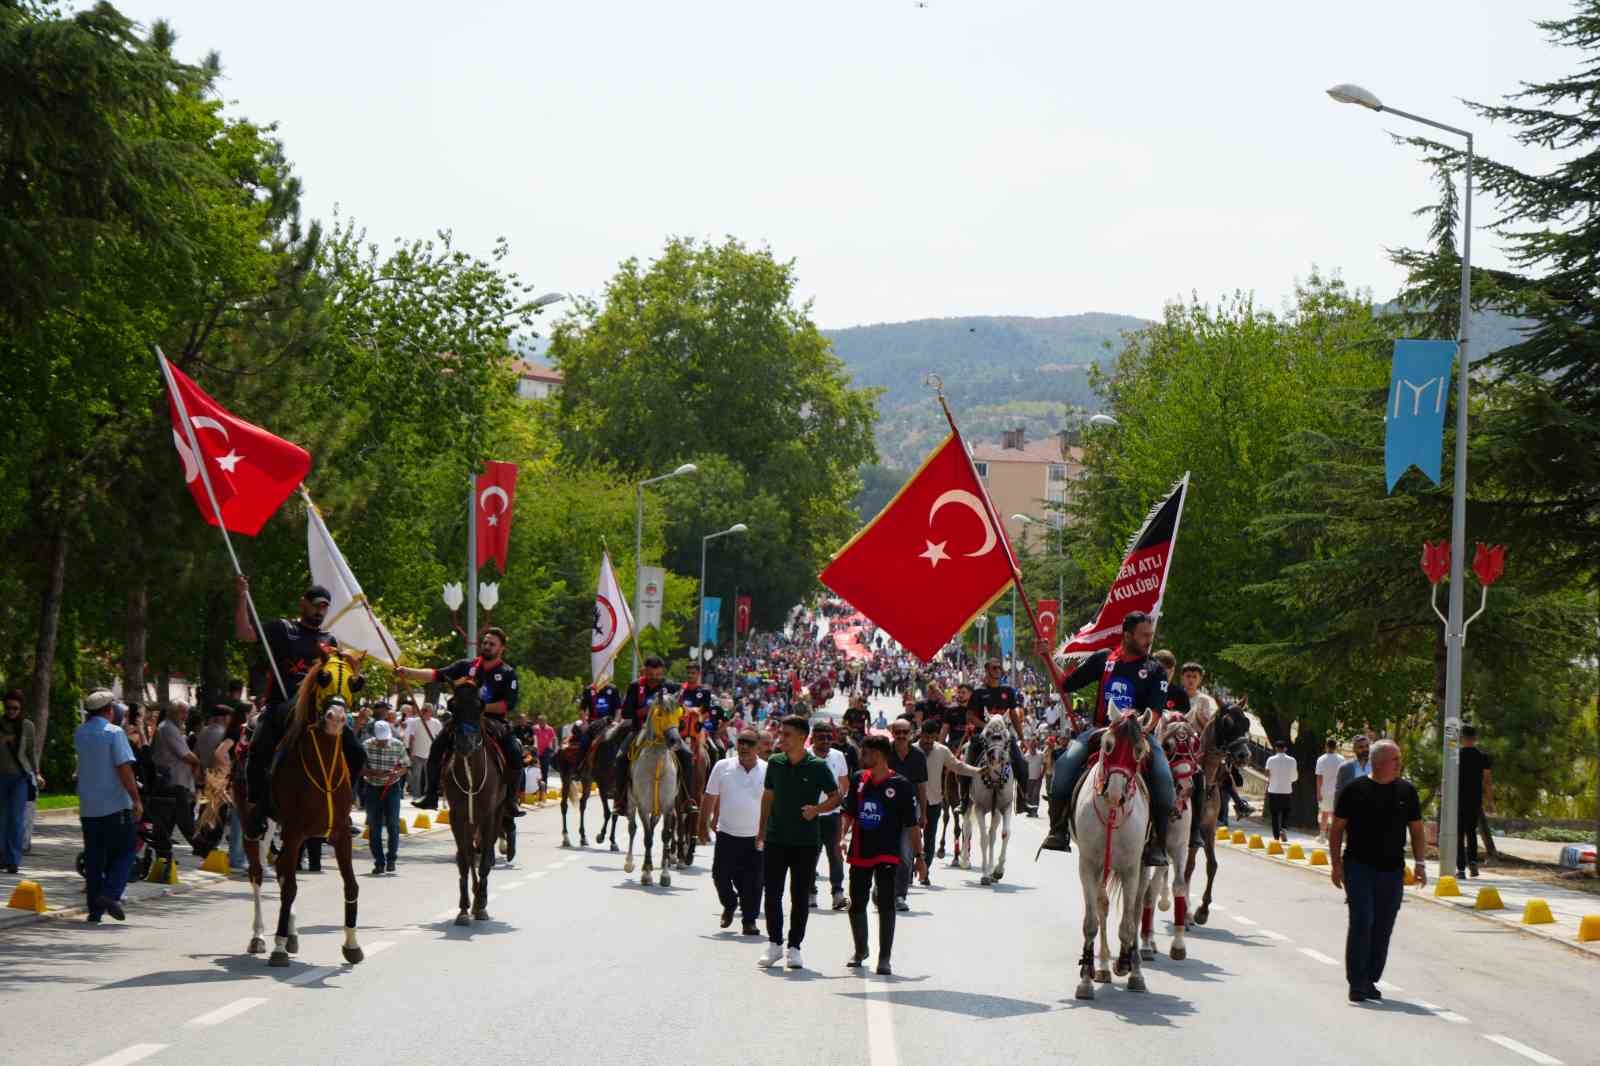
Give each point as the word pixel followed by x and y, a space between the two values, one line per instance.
pixel 496 489
pixel 932 560
pixel 1049 614
pixel 742 615
pixel 250 470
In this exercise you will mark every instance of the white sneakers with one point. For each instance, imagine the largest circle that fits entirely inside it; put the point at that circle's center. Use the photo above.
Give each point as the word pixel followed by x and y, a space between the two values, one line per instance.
pixel 794 959
pixel 771 955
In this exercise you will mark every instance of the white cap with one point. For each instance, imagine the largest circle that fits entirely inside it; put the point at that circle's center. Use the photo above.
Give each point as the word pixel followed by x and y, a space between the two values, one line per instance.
pixel 96 701
pixel 383 731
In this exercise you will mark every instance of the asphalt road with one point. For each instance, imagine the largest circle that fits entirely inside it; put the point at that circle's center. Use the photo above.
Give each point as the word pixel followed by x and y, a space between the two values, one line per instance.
pixel 581 964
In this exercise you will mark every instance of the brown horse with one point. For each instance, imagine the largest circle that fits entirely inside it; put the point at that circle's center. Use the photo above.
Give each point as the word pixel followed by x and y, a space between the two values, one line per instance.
pixel 473 782
pixel 1218 756
pixel 691 794
pixel 311 790
pixel 585 770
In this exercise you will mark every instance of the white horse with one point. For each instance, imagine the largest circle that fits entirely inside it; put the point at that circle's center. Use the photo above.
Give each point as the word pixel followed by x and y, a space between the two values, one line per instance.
pixel 653 789
pixel 994 796
pixel 1179 738
pixel 1110 821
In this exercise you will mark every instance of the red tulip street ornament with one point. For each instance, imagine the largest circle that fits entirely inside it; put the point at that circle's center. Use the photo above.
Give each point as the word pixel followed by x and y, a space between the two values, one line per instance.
pixel 1488 562
pixel 1436 566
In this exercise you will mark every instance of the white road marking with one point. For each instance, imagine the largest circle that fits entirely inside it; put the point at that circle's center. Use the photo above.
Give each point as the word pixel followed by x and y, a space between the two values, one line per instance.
pixel 377 946
pixel 313 975
pixel 510 886
pixel 1440 1012
pixel 880 1032
pixel 533 876
pixel 1389 986
pixel 228 1010
pixel 1530 1053
pixel 135 1053
pixel 406 932
pixel 1319 956
pixel 442 915
pixel 1242 920
pixel 1270 935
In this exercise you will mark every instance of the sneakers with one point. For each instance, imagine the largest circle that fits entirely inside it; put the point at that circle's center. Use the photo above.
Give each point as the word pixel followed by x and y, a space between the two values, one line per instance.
pixel 112 907
pixel 901 904
pixel 770 956
pixel 839 902
pixel 377 871
pixel 794 962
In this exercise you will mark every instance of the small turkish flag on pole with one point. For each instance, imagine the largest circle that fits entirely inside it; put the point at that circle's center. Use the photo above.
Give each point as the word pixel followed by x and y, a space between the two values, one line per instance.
pixel 741 615
pixel 497 487
pixel 932 560
pixel 238 473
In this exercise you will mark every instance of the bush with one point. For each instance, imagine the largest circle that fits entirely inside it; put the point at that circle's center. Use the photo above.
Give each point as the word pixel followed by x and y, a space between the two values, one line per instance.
pixel 1552 834
pixel 554 697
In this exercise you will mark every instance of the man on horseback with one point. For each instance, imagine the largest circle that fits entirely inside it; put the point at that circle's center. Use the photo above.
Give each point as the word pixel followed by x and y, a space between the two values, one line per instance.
pixel 651 689
pixel 296 646
pixel 497 690
pixel 996 698
pixel 1131 681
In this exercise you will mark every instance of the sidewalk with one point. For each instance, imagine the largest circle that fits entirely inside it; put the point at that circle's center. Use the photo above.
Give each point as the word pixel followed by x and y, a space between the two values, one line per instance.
pixel 57 839
pixel 1568 906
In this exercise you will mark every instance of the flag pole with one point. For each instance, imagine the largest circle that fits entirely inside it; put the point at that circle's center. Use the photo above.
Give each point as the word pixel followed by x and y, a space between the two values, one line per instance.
pixel 216 508
pixel 1011 559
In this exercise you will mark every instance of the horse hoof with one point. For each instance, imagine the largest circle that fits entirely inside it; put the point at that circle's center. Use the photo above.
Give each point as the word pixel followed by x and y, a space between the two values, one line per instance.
pixel 257 946
pixel 614 846
pixel 1179 954
pixel 480 915
pixel 666 879
pixel 998 874
pixel 627 866
pixel 292 944
pixel 940 853
pixel 1136 983
pixel 647 878
pixel 1201 916
pixel 1085 989
pixel 985 880
pixel 1120 968
pixel 1102 977
pixel 462 919
pixel 1148 954
pixel 566 843
pixel 278 958
pixel 353 954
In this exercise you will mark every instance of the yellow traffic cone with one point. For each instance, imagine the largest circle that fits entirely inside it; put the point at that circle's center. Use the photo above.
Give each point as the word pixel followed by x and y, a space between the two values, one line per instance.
pixel 422 822
pixel 1255 842
pixel 1238 836
pixel 1537 912
pixel 443 817
pixel 1297 852
pixel 1274 848
pixel 1224 834
pixel 28 896
pixel 1319 857
pixel 1407 877
pixel 1488 900
pixel 163 872
pixel 1445 887
pixel 403 829
pixel 216 863
pixel 1589 928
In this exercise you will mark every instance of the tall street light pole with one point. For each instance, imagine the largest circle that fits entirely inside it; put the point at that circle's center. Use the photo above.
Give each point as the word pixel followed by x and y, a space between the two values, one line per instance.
pixel 700 629
pixel 638 543
pixel 1455 635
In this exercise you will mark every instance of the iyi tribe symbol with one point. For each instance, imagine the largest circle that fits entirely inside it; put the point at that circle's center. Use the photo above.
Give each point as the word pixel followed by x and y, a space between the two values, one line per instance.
pixel 605 624
pixel 936 553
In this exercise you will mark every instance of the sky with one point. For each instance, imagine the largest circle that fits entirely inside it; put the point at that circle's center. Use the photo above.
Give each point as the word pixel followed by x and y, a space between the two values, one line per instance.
pixel 1016 157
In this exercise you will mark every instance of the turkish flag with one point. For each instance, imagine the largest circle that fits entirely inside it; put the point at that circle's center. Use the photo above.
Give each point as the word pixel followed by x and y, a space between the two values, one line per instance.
pixel 741 615
pixel 496 488
pixel 1049 614
pixel 251 471
pixel 932 560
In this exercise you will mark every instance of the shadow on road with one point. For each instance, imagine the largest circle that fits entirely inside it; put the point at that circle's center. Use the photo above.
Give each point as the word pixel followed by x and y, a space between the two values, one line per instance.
pixel 1190 969
pixel 1227 936
pixel 969 1004
pixel 1136 1008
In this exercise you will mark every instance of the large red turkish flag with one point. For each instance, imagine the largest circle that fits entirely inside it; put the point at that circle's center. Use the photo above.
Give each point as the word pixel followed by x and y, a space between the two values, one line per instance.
pixel 932 560
pixel 251 471
pixel 496 489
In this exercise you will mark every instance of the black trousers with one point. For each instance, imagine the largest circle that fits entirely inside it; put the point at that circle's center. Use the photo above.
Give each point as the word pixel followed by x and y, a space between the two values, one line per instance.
pixel 1374 898
pixel 863 879
pixel 829 824
pixel 1278 804
pixel 796 863
pixel 736 873
pixel 1467 819
pixel 930 838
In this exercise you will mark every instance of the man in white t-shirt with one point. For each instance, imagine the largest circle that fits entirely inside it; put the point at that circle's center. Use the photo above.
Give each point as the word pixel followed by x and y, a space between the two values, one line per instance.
pixel 1282 772
pixel 732 806
pixel 829 822
pixel 1327 785
pixel 421 729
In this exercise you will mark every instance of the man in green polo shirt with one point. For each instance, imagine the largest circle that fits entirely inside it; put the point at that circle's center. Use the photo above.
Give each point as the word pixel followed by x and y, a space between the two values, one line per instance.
pixel 799 787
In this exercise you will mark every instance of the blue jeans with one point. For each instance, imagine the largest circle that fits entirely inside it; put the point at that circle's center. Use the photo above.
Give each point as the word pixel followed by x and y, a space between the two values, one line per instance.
pixel 13 803
pixel 1163 792
pixel 383 813
pixel 236 857
pixel 1374 899
pixel 108 843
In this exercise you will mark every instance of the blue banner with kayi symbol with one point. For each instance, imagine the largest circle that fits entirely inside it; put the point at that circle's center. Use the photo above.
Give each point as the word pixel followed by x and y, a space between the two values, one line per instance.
pixel 1005 633
pixel 708 619
pixel 1413 414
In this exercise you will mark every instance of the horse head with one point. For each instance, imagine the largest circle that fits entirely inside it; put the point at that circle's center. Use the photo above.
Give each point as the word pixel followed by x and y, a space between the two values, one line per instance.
pixel 329 690
pixel 1122 748
pixel 996 743
pixel 1231 733
pixel 466 711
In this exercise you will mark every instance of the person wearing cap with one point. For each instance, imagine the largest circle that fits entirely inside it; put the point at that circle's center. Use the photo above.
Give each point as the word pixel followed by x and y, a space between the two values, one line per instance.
pixel 296 647
pixel 732 808
pixel 108 805
pixel 387 763
pixel 19 768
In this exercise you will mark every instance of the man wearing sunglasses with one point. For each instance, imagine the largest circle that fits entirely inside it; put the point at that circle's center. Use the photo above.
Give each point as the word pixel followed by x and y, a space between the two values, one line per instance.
pixel 732 807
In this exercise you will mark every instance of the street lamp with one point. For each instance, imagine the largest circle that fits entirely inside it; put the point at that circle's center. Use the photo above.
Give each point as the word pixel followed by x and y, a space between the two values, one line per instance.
pixel 700 634
pixel 638 541
pixel 1455 632
pixel 1103 420
pixel 546 300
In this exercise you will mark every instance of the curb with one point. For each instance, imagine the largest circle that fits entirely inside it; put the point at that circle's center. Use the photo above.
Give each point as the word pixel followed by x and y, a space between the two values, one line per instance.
pixel 1488 916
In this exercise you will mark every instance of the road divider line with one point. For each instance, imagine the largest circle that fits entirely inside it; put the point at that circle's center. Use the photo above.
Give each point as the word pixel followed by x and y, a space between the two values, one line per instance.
pixel 881 1049
pixel 135 1053
pixel 1242 920
pixel 377 946
pixel 228 1010
pixel 313 975
pixel 1318 956
pixel 1439 1012
pixel 1532 1054
pixel 1270 935
pixel 535 875
pixel 1390 986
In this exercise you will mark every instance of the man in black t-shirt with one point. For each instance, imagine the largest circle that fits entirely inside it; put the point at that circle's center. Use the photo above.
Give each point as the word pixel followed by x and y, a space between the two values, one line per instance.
pixel 998 698
pixel 1372 816
pixel 1476 795
pixel 882 814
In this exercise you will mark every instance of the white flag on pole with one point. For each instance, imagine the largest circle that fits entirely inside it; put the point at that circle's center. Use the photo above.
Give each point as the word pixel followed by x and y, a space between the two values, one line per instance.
pixel 613 622
pixel 349 616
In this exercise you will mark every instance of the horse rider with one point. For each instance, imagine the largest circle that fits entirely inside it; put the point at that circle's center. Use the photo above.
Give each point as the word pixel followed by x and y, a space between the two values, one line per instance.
pixel 598 705
pixel 997 698
pixel 702 712
pixel 652 688
pixel 1130 680
pixel 296 646
pixel 497 690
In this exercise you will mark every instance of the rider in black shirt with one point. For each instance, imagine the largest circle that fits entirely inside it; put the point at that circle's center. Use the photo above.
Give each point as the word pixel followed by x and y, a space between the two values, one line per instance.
pixel 296 647
pixel 651 687
pixel 497 690
pixel 997 698
pixel 1130 681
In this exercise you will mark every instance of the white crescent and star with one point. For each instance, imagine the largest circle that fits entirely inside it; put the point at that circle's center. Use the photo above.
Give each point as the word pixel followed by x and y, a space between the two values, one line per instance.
pixel 191 468
pixel 936 551
pixel 489 493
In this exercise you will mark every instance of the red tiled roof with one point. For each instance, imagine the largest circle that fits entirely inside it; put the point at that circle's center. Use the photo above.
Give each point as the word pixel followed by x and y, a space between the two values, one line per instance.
pixel 1047 450
pixel 535 372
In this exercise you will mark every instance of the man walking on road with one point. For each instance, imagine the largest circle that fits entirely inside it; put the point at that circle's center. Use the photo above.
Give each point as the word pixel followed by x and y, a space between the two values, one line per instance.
pixel 732 809
pixel 419 736
pixel 386 768
pixel 882 814
pixel 1327 771
pixel 18 771
pixel 822 747
pixel 1476 797
pixel 910 763
pixel 108 805
pixel 1358 767
pixel 1375 813
pixel 936 757
pixel 1282 772
pixel 790 835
